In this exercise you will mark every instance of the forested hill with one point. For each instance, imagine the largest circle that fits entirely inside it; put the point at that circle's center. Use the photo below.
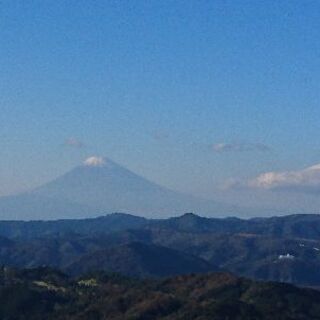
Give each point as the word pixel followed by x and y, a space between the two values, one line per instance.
pixel 48 294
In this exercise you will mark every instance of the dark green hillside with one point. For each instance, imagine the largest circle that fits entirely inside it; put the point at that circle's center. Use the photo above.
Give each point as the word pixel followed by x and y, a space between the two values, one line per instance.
pixel 47 294
pixel 254 256
pixel 142 260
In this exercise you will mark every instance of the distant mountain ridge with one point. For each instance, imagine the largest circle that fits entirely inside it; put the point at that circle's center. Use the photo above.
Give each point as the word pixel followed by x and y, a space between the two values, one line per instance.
pixel 297 226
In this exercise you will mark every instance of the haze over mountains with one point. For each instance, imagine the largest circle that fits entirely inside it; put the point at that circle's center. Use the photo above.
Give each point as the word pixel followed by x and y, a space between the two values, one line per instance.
pixel 100 186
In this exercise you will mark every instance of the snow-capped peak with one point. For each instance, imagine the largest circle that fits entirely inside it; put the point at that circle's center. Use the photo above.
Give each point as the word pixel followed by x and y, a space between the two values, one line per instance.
pixel 95 161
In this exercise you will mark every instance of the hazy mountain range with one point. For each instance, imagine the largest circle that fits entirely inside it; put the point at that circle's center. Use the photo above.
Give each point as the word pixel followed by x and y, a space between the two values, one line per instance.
pixel 101 186
pixel 285 249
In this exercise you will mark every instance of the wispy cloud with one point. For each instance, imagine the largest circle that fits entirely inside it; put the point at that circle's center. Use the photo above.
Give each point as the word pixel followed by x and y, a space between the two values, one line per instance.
pixel 304 180
pixel 73 142
pixel 239 147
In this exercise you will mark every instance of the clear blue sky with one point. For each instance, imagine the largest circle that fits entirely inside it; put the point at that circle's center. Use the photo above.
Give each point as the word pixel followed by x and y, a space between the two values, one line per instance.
pixel 155 85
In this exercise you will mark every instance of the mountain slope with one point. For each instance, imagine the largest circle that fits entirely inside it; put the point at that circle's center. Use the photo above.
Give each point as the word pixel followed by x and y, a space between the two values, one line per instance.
pixel 32 206
pixel 142 260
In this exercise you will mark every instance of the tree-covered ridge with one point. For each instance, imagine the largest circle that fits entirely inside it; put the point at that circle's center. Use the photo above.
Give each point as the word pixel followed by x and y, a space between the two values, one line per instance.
pixel 285 249
pixel 44 293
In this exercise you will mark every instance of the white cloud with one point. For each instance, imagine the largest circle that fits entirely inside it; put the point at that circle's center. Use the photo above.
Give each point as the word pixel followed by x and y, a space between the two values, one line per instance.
pixel 95 161
pixel 305 180
pixel 73 142
pixel 239 147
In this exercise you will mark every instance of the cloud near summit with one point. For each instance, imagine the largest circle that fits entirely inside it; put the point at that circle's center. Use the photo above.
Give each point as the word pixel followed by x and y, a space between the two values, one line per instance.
pixel 304 180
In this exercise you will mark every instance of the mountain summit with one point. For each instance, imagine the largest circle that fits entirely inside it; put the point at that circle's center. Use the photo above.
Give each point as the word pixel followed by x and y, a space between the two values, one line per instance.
pixel 95 162
pixel 100 186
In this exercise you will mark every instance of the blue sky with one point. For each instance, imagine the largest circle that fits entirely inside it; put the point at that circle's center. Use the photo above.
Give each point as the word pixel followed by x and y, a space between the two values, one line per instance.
pixel 187 93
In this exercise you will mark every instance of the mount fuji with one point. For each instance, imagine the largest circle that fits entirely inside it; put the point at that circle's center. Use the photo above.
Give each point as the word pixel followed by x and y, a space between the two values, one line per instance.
pixel 101 186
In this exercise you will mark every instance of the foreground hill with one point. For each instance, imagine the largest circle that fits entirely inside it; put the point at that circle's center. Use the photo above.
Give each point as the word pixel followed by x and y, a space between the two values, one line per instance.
pixel 48 294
